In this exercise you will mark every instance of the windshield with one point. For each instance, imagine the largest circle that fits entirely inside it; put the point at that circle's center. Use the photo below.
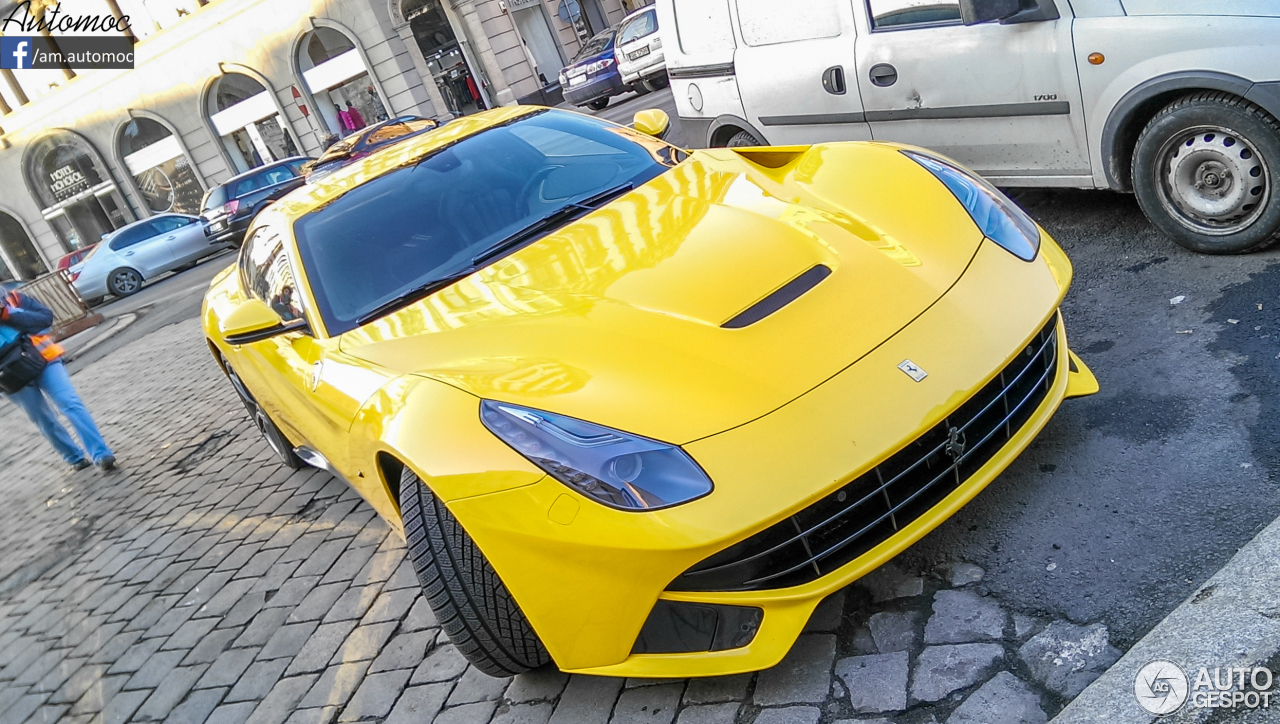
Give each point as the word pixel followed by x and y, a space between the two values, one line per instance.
pixel 427 222
pixel 596 45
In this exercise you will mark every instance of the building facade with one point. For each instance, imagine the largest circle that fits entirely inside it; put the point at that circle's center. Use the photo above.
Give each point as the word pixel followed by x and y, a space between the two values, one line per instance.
pixel 222 86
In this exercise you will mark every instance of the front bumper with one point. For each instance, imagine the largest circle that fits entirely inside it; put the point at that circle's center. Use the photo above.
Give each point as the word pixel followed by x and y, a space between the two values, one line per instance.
pixel 588 577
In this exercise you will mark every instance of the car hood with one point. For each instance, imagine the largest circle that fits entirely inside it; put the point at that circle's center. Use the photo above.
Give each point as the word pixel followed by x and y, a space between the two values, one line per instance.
pixel 617 318
pixel 1246 8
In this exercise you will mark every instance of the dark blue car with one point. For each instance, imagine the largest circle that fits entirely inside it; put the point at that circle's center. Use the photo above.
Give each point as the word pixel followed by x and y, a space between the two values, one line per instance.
pixel 593 77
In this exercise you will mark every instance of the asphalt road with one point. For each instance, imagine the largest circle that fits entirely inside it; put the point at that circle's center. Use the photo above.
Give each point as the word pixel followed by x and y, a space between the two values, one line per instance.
pixel 1129 499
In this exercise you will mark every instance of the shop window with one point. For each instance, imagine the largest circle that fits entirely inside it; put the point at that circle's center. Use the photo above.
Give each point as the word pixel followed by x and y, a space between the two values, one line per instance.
pixel 337 77
pixel 247 120
pixel 20 258
pixel 164 177
pixel 76 194
pixel 450 67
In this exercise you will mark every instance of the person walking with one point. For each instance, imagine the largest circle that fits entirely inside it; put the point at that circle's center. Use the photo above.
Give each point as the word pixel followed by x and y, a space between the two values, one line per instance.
pixel 24 314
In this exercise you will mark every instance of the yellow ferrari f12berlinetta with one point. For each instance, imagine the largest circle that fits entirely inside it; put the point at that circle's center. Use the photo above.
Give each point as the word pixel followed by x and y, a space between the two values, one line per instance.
pixel 637 410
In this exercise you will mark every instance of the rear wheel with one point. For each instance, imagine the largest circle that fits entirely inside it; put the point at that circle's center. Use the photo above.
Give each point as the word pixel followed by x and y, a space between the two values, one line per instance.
pixel 1204 172
pixel 469 599
pixel 641 88
pixel 279 444
pixel 742 139
pixel 124 282
pixel 655 83
pixel 599 104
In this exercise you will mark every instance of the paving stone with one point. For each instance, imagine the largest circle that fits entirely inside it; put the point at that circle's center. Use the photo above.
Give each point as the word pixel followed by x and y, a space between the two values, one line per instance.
pixel 354 603
pixel 586 700
pixel 634 681
pixel 476 686
pixel 876 683
pixel 115 647
pixel 405 651
pixel 961 617
pixel 336 685
pixel 190 634
pixel 197 707
pixel 1005 699
pixel 121 707
pixel 894 631
pixel 318 602
pixel 244 610
pixel 523 714
pixel 257 681
pixel 420 616
pixel 136 656
pixel 169 692
pixel 264 626
pixel 231 713
pixel 648 704
pixel 709 713
pixel 877 720
pixel 47 714
pixel 96 697
pixel 863 642
pixel 211 646
pixel 23 708
pixel 58 675
pixel 284 696
pixel 963 574
pixel 478 713
pixel 78 684
pixel 419 704
pixel 717 689
pixel 391 605
pixel 802 677
pixel 1066 658
pixel 443 664
pixel 317 715
pixel 375 696
pixel 36 671
pixel 292 592
pixel 227 668
pixel 790 715
pixel 1023 626
pixel 889 582
pixel 320 648
pixel 154 670
pixel 543 684
pixel 941 670
pixel 364 642
pixel 829 614
pixel 288 640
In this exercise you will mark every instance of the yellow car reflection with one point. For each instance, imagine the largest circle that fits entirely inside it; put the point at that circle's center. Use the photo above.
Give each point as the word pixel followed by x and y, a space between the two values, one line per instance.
pixel 637 410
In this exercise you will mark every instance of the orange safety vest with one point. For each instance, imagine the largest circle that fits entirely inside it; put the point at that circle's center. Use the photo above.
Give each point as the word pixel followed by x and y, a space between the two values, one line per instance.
pixel 48 348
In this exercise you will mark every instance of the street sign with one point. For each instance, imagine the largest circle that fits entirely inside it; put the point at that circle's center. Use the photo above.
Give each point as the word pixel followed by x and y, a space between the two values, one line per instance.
pixel 569 11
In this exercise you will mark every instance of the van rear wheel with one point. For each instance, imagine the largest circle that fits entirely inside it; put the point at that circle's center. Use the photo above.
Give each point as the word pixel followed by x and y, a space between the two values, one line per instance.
pixel 1204 171
pixel 742 139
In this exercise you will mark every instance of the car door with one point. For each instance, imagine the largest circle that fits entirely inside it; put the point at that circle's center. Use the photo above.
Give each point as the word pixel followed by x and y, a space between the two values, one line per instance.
pixel 286 373
pixel 176 233
pixel 145 249
pixel 1003 99
pixel 795 66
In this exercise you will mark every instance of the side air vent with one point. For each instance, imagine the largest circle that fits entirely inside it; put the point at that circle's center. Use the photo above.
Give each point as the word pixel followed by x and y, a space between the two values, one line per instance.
pixel 786 294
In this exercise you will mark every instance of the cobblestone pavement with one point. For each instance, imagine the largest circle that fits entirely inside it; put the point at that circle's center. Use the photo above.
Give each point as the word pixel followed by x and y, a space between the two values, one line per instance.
pixel 204 582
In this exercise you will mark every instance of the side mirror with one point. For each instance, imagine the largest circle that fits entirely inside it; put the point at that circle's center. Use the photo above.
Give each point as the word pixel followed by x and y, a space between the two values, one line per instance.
pixel 973 12
pixel 653 122
pixel 253 321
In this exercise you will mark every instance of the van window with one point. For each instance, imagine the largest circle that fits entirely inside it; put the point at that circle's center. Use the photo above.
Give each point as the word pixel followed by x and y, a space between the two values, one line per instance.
pixel 906 13
pixel 766 22
pixel 702 26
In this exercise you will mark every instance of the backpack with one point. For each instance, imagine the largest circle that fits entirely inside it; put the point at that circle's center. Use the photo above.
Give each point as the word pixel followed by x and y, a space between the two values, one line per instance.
pixel 20 362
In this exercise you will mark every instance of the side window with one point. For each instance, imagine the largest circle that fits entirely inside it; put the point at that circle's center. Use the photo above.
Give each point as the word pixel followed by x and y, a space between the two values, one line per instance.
pixel 279 174
pixel 134 235
pixel 246 186
pixel 767 22
pixel 639 27
pixel 267 274
pixel 296 166
pixel 702 26
pixel 168 224
pixel 908 13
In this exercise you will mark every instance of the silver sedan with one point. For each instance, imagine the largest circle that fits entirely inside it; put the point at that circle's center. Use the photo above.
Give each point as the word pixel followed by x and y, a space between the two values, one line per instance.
pixel 132 255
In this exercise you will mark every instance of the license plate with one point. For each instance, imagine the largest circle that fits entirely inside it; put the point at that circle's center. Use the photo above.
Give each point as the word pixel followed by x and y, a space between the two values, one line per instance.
pixel 635 54
pixel 577 79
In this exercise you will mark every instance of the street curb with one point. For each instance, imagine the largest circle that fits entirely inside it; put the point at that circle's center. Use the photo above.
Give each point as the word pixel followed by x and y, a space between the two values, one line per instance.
pixel 96 335
pixel 1232 620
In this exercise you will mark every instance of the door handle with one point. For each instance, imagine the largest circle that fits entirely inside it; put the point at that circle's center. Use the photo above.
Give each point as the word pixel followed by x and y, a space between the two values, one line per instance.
pixel 883 75
pixel 170 238
pixel 833 81
pixel 128 253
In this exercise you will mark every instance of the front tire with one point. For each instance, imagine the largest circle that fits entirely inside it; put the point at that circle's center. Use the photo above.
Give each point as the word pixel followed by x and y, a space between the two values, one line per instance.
pixel 599 104
pixel 124 282
pixel 469 599
pixel 1204 172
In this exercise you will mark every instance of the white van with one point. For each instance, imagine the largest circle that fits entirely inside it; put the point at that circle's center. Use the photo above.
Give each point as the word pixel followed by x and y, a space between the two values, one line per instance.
pixel 1174 100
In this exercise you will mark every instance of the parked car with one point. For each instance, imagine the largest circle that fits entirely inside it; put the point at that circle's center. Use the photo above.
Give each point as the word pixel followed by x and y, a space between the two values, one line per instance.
pixel 639 411
pixel 132 255
pixel 230 206
pixel 366 141
pixel 639 51
pixel 1175 101
pixel 75 257
pixel 593 78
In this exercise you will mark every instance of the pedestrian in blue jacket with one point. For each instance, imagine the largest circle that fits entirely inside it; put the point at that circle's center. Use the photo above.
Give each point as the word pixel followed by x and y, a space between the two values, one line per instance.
pixel 28 316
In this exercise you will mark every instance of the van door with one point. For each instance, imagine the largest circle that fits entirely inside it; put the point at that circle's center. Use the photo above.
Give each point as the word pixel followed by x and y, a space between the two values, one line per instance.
pixel 1002 99
pixel 795 68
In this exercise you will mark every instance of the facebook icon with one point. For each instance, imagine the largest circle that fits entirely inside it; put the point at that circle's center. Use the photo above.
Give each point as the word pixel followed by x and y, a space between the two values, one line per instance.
pixel 16 53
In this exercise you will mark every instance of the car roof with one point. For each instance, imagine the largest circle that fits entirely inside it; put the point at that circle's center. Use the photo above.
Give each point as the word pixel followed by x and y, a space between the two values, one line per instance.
pixel 264 167
pixel 308 198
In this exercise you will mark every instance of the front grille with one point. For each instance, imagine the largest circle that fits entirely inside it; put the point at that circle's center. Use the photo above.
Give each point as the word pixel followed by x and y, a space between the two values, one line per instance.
pixel 880 502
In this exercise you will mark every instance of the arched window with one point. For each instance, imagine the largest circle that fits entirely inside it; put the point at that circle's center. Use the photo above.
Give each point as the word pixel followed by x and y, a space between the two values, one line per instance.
pixel 155 159
pixel 76 195
pixel 245 116
pixel 18 256
pixel 338 80
pixel 444 55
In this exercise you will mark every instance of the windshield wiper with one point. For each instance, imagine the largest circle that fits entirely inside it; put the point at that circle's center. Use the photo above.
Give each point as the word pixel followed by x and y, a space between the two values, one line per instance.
pixel 410 296
pixel 553 220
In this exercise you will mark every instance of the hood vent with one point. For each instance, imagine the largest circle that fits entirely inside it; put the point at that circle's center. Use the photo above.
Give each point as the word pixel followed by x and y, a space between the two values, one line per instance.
pixel 784 295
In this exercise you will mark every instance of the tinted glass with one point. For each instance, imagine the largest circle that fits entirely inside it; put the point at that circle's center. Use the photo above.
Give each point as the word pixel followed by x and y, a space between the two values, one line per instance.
pixel 596 45
pixel 646 24
pixel 133 235
pixel 421 223
pixel 169 223
pixel 901 13
pixel 266 273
